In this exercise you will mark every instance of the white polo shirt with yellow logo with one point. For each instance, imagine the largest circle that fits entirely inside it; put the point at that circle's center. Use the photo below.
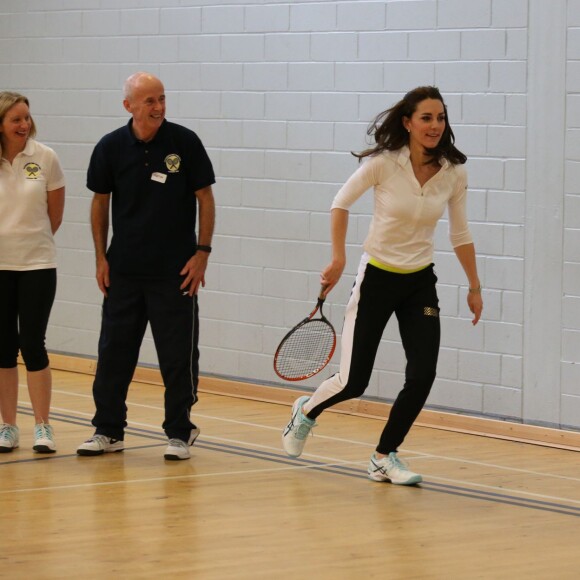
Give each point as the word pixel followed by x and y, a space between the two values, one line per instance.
pixel 26 241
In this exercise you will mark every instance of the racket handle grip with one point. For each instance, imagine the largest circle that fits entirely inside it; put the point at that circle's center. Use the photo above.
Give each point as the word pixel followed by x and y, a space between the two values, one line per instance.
pixel 321 296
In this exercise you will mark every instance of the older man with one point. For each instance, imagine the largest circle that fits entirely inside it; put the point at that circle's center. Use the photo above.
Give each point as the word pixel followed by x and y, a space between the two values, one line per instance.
pixel 158 176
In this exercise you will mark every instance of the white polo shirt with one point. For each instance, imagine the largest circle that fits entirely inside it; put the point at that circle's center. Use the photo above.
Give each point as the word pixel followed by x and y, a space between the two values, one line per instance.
pixel 26 241
pixel 405 214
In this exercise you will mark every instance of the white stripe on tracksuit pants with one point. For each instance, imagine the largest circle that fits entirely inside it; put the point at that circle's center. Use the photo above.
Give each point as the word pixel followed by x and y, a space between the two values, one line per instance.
pixel 376 295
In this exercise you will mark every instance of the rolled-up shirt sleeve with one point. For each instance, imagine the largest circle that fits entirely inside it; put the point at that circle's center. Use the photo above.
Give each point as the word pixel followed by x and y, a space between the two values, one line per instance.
pixel 459 233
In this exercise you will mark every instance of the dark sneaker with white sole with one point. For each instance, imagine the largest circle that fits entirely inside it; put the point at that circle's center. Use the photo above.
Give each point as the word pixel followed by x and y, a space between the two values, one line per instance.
pixel 99 444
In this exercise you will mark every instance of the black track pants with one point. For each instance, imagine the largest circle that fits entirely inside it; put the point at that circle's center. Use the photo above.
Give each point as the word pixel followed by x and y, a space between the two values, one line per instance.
pixel 376 295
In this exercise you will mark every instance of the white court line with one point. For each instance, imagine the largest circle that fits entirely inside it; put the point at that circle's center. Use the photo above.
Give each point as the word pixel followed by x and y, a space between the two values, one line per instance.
pixel 494 465
pixel 167 478
pixel 204 436
pixel 418 454
pixel 506 489
pixel 157 408
pixel 276 470
pixel 333 462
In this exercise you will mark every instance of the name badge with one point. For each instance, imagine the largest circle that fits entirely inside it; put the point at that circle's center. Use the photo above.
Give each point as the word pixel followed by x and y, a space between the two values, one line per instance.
pixel 160 177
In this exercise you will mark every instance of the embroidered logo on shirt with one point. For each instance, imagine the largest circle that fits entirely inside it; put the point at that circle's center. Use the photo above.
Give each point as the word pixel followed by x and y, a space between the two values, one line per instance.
pixel 429 311
pixel 172 162
pixel 32 170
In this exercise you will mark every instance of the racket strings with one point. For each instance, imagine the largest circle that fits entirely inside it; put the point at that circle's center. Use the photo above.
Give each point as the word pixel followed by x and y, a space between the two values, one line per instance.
pixel 306 351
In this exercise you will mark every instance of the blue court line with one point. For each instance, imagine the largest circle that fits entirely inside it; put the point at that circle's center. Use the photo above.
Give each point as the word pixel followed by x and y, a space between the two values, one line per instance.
pixel 343 470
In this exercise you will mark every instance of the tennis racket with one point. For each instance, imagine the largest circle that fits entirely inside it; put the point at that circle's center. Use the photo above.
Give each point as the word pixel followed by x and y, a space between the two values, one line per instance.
pixel 307 348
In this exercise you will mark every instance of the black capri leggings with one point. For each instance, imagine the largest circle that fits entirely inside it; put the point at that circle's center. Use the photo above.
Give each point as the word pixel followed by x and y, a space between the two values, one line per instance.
pixel 26 300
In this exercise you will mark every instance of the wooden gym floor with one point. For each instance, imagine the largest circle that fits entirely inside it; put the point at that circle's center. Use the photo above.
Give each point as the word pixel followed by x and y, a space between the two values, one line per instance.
pixel 241 509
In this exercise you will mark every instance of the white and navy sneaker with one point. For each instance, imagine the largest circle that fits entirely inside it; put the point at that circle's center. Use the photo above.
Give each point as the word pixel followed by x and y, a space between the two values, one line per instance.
pixel 393 470
pixel 178 449
pixel 99 444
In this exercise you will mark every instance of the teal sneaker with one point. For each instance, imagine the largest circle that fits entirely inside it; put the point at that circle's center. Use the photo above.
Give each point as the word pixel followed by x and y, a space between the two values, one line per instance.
pixel 44 439
pixel 392 469
pixel 9 436
pixel 295 434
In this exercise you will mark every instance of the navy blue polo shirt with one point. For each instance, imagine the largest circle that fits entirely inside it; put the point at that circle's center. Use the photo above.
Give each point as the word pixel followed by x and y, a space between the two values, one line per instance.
pixel 153 204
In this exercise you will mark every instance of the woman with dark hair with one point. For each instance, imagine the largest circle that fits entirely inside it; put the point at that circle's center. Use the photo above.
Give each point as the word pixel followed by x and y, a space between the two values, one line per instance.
pixel 416 173
pixel 31 210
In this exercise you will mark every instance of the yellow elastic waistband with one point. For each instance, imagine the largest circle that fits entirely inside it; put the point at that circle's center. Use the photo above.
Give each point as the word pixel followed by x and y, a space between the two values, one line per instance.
pixel 382 266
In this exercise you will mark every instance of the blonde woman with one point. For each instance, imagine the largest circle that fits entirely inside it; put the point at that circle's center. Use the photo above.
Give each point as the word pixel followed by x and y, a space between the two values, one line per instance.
pixel 31 210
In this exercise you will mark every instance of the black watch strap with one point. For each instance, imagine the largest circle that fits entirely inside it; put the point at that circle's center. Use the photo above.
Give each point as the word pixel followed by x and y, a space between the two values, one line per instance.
pixel 204 249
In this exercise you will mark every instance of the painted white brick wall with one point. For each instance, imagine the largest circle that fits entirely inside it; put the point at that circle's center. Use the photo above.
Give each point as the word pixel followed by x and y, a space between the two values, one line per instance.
pixel 570 323
pixel 280 92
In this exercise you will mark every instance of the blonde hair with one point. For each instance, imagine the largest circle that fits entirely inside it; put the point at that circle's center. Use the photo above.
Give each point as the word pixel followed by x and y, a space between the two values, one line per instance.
pixel 7 100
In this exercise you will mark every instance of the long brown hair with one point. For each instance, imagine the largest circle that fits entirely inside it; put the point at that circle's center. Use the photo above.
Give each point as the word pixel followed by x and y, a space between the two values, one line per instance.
pixel 389 133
